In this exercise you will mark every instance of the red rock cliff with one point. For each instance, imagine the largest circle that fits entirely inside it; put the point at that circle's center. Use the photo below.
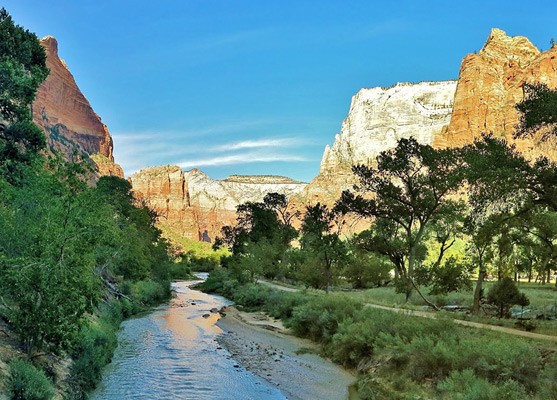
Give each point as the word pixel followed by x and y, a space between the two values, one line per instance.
pixel 490 84
pixel 193 205
pixel 67 117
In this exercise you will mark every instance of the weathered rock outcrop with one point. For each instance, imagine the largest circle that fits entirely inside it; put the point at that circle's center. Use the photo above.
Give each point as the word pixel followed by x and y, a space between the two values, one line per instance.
pixel 67 117
pixel 195 206
pixel 489 86
pixel 379 117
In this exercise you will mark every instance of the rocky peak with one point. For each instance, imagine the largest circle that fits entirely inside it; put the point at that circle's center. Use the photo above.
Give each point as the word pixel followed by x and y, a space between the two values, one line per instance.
pixel 490 85
pixel 512 48
pixel 66 116
pixel 379 117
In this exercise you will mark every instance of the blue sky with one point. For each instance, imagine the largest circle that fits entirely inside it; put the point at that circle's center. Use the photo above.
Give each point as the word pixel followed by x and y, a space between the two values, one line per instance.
pixel 257 87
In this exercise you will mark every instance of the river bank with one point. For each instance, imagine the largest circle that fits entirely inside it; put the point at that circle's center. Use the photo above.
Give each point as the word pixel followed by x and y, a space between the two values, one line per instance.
pixel 266 348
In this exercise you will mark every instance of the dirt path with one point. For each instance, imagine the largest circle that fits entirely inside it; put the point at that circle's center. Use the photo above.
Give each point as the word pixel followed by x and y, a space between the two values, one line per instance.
pixel 428 314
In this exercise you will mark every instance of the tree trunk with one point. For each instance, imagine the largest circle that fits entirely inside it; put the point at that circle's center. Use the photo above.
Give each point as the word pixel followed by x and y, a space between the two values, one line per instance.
pixel 478 290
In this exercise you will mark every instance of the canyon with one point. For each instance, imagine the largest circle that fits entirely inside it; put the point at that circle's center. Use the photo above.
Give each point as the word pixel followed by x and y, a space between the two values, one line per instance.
pixel 441 114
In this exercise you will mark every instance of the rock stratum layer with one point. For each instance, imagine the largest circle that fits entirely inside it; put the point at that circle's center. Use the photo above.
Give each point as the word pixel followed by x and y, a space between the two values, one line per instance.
pixel 490 84
pixel 194 206
pixel 379 117
pixel 67 117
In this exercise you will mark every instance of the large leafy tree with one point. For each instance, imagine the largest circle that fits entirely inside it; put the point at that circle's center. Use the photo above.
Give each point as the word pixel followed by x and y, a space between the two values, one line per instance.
pixel 410 191
pixel 261 236
pixel 22 69
pixel 323 248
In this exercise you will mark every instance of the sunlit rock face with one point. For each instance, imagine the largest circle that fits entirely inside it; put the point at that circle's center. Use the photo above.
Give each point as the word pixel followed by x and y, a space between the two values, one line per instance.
pixel 379 117
pixel 67 117
pixel 490 84
pixel 193 205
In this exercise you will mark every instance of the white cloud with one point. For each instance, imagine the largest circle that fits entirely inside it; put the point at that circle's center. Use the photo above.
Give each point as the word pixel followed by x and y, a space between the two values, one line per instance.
pixel 258 143
pixel 245 158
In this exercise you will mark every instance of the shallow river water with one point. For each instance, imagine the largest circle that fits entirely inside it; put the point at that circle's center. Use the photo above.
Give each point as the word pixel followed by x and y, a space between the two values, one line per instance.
pixel 171 353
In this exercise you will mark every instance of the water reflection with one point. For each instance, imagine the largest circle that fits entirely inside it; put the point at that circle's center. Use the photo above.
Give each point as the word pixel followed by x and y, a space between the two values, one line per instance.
pixel 172 354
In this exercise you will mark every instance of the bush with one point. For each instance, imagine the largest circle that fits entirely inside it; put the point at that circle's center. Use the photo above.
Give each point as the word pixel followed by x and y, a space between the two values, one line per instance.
pixel 356 340
pixel 28 383
pixel 282 304
pixel 149 292
pixel 252 296
pixel 321 316
pixel 220 281
pixel 95 346
pixel 505 294
pixel 466 385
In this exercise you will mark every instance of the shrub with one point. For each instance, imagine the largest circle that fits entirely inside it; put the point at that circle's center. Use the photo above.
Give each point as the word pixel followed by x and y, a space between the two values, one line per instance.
pixel 252 296
pixel 95 346
pixel 28 383
pixel 465 385
pixel 149 292
pixel 282 304
pixel 356 340
pixel 321 316
pixel 220 281
pixel 505 294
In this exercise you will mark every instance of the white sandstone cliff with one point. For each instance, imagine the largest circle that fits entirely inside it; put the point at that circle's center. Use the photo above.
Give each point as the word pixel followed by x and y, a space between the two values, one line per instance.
pixel 379 117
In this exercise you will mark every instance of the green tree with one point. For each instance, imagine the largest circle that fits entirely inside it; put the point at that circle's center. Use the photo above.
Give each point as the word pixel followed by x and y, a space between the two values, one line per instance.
pixel 323 248
pixel 538 111
pixel 504 294
pixel 408 193
pixel 22 69
pixel 260 238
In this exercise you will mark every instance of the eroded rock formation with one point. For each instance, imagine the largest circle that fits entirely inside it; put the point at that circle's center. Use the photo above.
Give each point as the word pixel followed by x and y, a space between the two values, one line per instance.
pixel 490 84
pixel 67 117
pixel 193 205
pixel 379 117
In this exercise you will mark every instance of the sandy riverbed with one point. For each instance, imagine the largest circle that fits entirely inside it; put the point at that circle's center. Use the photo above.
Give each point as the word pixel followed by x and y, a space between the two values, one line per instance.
pixel 265 348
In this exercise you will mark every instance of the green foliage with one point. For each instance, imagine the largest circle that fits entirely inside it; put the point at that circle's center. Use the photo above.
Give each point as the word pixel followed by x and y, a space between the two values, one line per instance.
pixel 365 269
pixel 28 383
pixel 252 296
pixel 412 190
pixel 465 385
pixel 324 251
pixel 357 338
pixel 260 238
pixel 93 351
pixel 220 281
pixel 282 304
pixel 452 276
pixel 505 294
pixel 320 317
pixel 538 110
pixel 22 69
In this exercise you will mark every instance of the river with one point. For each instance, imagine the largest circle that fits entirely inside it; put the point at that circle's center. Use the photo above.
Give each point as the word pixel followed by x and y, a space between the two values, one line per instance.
pixel 171 353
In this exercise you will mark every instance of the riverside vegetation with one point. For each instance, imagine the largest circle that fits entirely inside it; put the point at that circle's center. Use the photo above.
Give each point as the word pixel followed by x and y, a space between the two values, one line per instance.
pixel 74 259
pixel 442 220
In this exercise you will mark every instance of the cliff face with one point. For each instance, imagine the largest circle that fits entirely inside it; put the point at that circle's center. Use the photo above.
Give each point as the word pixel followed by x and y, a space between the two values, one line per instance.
pixel 67 117
pixel 490 84
pixel 195 206
pixel 379 117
